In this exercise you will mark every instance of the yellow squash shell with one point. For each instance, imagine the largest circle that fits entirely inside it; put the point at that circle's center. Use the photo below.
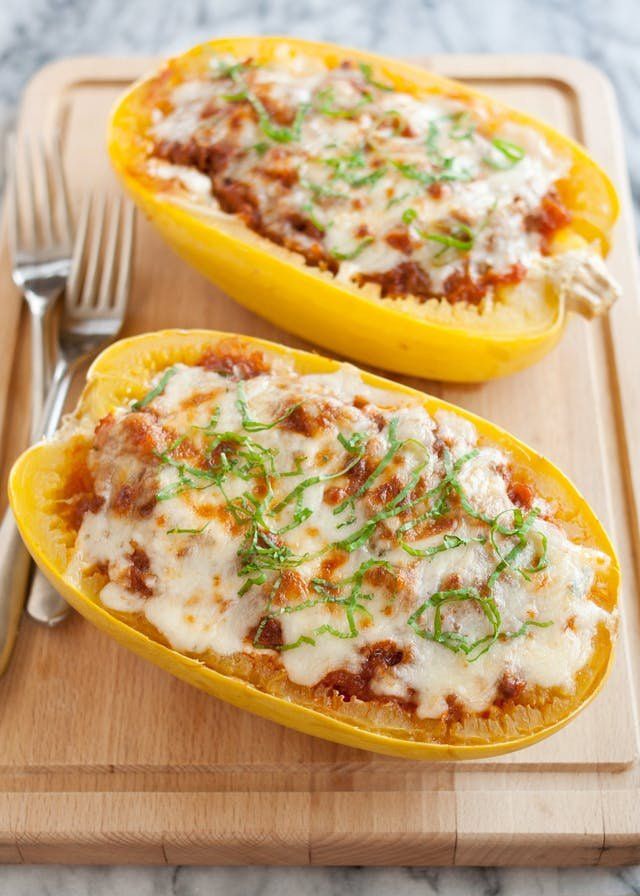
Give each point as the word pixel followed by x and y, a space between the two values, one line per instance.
pixel 310 303
pixel 123 373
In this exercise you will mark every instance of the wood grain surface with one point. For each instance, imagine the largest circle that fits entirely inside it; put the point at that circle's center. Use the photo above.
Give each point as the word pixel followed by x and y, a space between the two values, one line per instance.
pixel 104 758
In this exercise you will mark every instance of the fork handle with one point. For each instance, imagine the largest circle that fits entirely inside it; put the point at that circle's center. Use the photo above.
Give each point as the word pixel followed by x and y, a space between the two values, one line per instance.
pixel 40 365
pixel 14 572
pixel 44 604
pixel 54 405
pixel 15 562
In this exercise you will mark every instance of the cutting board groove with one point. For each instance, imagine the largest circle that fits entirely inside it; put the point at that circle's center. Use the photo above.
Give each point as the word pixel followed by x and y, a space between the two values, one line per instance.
pixel 104 758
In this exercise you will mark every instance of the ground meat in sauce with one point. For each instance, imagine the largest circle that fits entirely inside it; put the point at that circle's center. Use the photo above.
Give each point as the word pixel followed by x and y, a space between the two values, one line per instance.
pixel 521 495
pixel 270 633
pixel 515 274
pixel 297 231
pixel 139 568
pixel 461 287
pixel 548 219
pixel 81 504
pixel 456 712
pixel 400 239
pixel 292 589
pixel 220 454
pixel 437 189
pixel 308 419
pixel 302 224
pixel 406 278
pixel 277 110
pixel 238 198
pixel 79 496
pixel 235 360
pixel 206 158
pixel 376 658
pixel 355 478
pixel 138 433
pixel 349 685
pixel 510 687
pixel 137 498
pixel 140 437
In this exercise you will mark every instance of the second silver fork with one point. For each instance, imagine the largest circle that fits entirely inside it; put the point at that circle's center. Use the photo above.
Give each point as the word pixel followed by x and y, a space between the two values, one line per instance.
pixel 94 310
pixel 95 299
pixel 41 242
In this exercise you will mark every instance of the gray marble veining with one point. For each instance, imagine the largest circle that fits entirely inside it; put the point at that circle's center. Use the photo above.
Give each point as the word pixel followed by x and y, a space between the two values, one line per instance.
pixel 604 32
pixel 68 881
pixel 33 32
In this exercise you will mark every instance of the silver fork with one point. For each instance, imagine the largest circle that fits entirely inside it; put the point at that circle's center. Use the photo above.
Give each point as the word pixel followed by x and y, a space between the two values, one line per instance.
pixel 96 297
pixel 41 242
pixel 94 310
pixel 93 313
pixel 41 245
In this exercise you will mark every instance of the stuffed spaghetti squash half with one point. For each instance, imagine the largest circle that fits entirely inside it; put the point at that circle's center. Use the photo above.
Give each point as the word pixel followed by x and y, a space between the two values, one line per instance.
pixel 326 548
pixel 367 205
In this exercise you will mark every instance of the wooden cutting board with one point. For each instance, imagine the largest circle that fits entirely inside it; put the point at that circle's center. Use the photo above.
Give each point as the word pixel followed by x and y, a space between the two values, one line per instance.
pixel 104 758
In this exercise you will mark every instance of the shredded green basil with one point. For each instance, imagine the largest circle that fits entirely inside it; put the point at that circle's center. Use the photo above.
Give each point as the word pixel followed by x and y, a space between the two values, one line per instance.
pixel 158 389
pixel 278 133
pixel 326 104
pixel 396 200
pixel 354 442
pixel 323 192
pixel 462 126
pixel 367 72
pixel 392 450
pixel 510 155
pixel 264 556
pixel 314 480
pixel 411 172
pixel 230 70
pixel 447 544
pixel 297 469
pixel 349 256
pixel 348 167
pixel 178 531
pixel 409 215
pixel 308 209
pixel 453 640
pixel 254 425
pixel 462 240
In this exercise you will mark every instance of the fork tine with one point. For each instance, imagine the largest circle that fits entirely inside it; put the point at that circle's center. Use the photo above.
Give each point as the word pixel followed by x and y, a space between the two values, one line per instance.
pixel 109 256
pixel 12 197
pixel 60 184
pixel 121 294
pixel 91 274
pixel 74 283
pixel 46 205
pixel 30 233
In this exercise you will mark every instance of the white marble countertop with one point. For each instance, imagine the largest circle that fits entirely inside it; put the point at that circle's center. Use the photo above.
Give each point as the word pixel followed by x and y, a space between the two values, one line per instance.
pixel 33 32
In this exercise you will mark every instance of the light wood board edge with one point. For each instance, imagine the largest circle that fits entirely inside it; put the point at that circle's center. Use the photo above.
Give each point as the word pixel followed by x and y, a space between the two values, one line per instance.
pixel 423 828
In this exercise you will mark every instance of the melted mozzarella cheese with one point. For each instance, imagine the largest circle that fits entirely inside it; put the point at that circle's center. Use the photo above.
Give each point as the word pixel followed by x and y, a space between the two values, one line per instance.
pixel 484 189
pixel 195 588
